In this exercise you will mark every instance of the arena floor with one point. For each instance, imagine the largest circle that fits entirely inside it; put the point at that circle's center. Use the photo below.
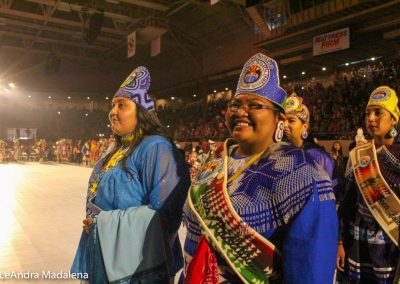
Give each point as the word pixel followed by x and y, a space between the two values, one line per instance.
pixel 41 212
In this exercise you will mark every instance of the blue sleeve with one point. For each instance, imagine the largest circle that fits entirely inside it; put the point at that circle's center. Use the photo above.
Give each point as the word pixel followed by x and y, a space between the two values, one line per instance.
pixel 166 178
pixel 310 246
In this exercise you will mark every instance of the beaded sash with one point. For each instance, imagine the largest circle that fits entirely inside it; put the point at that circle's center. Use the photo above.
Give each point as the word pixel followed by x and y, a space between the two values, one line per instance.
pixel 382 202
pixel 249 255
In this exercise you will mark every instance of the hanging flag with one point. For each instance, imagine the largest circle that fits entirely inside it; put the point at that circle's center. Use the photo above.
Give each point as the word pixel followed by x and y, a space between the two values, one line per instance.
pixel 156 46
pixel 131 40
pixel 213 2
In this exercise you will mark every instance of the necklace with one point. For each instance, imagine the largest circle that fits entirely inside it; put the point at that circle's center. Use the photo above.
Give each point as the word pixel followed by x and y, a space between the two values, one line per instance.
pixel 249 163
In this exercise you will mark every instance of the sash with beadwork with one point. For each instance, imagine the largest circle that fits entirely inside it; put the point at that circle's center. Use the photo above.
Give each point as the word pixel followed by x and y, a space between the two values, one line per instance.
pixel 99 170
pixel 249 255
pixel 382 202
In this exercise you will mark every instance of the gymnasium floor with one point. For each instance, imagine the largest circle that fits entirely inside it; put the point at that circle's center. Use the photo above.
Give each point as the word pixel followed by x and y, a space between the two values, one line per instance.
pixel 41 212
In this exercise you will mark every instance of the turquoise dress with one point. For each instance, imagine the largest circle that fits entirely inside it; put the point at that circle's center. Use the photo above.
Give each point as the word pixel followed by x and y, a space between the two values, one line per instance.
pixel 156 176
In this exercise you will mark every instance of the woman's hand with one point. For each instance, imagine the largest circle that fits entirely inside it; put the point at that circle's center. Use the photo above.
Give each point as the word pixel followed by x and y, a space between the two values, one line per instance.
pixel 87 224
pixel 340 257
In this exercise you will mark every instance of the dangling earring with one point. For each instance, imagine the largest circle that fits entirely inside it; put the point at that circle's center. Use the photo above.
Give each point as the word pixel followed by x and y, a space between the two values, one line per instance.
pixel 304 134
pixel 279 131
pixel 393 132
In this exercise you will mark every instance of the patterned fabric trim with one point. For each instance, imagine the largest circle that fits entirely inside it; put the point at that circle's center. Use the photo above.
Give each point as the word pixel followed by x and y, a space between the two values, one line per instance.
pixel 371 236
pixel 99 170
pixel 349 174
pixel 248 253
pixel 380 199
pixel 366 270
pixel 193 231
pixel 390 156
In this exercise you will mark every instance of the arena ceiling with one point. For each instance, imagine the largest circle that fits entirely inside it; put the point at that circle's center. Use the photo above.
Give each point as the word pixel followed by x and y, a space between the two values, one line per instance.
pixel 81 46
pixel 52 44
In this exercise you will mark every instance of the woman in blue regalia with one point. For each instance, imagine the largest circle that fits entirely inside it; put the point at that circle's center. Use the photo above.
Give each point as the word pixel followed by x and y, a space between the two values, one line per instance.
pixel 260 211
pixel 135 196
pixel 297 124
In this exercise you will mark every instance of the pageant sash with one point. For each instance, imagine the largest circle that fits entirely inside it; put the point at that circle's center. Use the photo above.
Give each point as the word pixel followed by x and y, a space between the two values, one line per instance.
pixel 382 202
pixel 250 256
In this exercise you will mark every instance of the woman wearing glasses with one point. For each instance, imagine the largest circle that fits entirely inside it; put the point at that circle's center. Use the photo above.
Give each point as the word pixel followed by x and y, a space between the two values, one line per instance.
pixel 260 211
pixel 369 213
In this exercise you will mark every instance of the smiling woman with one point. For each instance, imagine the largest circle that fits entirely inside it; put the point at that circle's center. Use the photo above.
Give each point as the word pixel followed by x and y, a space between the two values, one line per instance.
pixel 252 211
pixel 245 120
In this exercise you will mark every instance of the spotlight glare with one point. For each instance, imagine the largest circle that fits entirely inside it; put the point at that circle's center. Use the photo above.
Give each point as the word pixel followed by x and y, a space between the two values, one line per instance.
pixel 284 76
pixel 194 95
pixel 323 68
pixel 86 114
pixel 372 58
pixel 88 98
pixel 29 96
pixel 69 98
pixel 49 97
pixel 303 73
pixel 347 64
pixel 172 98
pixel 12 85
pixel 106 98
pixel 226 89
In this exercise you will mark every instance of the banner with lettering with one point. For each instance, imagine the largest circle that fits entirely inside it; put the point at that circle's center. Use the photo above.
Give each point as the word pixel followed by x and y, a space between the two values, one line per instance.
pixel 331 42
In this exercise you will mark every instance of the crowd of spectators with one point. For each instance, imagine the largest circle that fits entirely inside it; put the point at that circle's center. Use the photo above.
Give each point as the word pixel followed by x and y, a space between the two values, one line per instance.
pixel 197 121
pixel 84 153
pixel 53 124
pixel 336 110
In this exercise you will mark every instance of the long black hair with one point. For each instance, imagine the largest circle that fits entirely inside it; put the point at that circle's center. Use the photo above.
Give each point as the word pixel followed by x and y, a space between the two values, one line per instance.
pixel 311 142
pixel 147 124
pixel 340 151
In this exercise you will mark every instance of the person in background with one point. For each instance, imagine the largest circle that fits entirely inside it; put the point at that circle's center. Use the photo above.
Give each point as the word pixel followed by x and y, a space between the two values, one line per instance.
pixel 86 153
pixel 360 138
pixel 213 148
pixel 135 196
pixel 260 210
pixel 340 167
pixel 202 157
pixel 368 248
pixel 2 151
pixel 296 128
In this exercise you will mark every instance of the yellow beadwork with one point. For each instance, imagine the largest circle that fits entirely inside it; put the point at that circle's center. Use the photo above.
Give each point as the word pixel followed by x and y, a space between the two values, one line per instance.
pixel 113 161
pixel 93 188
